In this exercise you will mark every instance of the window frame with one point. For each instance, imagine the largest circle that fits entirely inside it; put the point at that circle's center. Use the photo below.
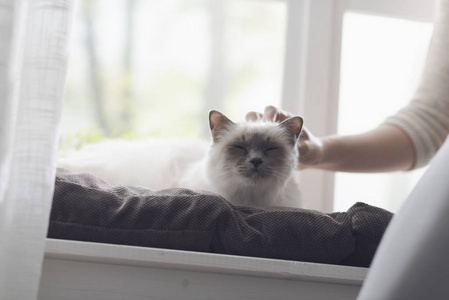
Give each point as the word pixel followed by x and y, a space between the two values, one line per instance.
pixel 312 69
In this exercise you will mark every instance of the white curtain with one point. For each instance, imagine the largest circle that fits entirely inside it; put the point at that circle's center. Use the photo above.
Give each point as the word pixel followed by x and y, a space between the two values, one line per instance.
pixel 34 38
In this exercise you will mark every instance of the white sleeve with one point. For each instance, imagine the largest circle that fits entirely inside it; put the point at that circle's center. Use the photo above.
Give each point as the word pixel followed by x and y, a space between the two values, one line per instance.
pixel 426 119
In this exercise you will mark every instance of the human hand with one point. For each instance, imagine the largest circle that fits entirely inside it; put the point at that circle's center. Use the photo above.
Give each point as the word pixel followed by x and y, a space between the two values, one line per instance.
pixel 270 114
pixel 309 146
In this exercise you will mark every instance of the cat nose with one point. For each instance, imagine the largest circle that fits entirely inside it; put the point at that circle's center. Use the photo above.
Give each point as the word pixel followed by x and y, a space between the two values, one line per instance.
pixel 256 161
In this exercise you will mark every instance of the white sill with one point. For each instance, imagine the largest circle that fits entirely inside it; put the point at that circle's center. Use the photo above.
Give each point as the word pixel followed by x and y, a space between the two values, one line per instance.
pixel 72 258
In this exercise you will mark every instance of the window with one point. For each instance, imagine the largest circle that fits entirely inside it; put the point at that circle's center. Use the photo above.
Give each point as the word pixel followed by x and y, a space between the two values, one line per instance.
pixel 142 67
pixel 318 55
pixel 382 59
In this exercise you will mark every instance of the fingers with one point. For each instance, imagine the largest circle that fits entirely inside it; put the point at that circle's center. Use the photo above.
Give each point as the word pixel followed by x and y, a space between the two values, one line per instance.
pixel 253 116
pixel 310 150
pixel 270 114
pixel 274 114
pixel 304 135
pixel 283 115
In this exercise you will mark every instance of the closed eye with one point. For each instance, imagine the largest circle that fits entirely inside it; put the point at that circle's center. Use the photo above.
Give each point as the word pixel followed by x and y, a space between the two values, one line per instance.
pixel 271 149
pixel 239 147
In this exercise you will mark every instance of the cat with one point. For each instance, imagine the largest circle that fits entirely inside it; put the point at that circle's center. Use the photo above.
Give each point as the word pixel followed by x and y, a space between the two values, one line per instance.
pixel 248 163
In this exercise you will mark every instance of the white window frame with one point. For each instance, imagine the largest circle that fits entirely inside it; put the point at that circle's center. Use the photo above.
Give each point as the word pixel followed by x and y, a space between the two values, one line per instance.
pixel 310 88
pixel 312 69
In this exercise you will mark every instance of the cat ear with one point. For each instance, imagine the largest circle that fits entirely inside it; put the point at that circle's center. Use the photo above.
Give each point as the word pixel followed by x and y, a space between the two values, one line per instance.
pixel 293 126
pixel 218 123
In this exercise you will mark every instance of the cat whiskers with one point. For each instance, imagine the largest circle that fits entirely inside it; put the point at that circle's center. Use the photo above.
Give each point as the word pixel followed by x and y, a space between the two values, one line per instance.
pixel 279 175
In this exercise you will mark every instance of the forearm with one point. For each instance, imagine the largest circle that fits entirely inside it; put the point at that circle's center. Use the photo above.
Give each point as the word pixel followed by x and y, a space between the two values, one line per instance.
pixel 426 118
pixel 386 148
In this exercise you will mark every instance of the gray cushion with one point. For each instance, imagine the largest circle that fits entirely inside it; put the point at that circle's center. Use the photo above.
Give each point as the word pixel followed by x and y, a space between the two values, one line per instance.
pixel 86 208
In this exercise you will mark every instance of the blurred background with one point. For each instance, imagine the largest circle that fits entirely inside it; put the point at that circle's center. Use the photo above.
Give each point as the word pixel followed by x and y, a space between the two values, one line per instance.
pixel 155 68
pixel 141 68
pixel 382 59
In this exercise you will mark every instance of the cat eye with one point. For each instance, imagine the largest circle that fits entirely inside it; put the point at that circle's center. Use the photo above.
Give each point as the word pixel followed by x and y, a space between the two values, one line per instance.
pixel 271 149
pixel 239 147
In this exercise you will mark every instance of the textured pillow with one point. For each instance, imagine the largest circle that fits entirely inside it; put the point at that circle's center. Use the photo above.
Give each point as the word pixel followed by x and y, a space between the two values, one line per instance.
pixel 86 208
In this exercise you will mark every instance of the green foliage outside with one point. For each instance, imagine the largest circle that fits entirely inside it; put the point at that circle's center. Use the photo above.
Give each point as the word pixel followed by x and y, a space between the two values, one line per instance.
pixel 107 97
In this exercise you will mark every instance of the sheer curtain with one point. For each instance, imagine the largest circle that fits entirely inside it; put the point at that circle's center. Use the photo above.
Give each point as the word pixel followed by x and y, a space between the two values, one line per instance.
pixel 34 38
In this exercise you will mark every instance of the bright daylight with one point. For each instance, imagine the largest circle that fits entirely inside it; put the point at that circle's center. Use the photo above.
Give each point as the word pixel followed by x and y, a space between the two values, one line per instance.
pixel 224 149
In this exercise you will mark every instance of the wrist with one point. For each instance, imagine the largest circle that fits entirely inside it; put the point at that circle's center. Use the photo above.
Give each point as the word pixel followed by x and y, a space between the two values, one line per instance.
pixel 324 151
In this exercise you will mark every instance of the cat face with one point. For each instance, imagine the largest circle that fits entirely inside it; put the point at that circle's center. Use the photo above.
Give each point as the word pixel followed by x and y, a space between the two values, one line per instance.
pixel 252 154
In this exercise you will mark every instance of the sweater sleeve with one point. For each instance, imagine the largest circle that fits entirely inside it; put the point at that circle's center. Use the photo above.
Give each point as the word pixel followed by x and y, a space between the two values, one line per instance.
pixel 426 118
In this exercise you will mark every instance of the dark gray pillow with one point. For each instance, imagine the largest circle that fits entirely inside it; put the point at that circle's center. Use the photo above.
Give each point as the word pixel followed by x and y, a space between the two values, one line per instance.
pixel 86 208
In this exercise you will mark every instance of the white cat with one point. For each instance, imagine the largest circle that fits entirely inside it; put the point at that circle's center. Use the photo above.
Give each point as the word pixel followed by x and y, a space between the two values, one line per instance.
pixel 248 163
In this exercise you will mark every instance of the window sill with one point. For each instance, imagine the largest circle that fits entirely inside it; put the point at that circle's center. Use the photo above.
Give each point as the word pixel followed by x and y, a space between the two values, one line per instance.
pixel 75 269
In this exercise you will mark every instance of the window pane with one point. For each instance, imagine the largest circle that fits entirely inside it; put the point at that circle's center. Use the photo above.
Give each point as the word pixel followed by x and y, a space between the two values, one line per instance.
pixel 382 59
pixel 141 68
